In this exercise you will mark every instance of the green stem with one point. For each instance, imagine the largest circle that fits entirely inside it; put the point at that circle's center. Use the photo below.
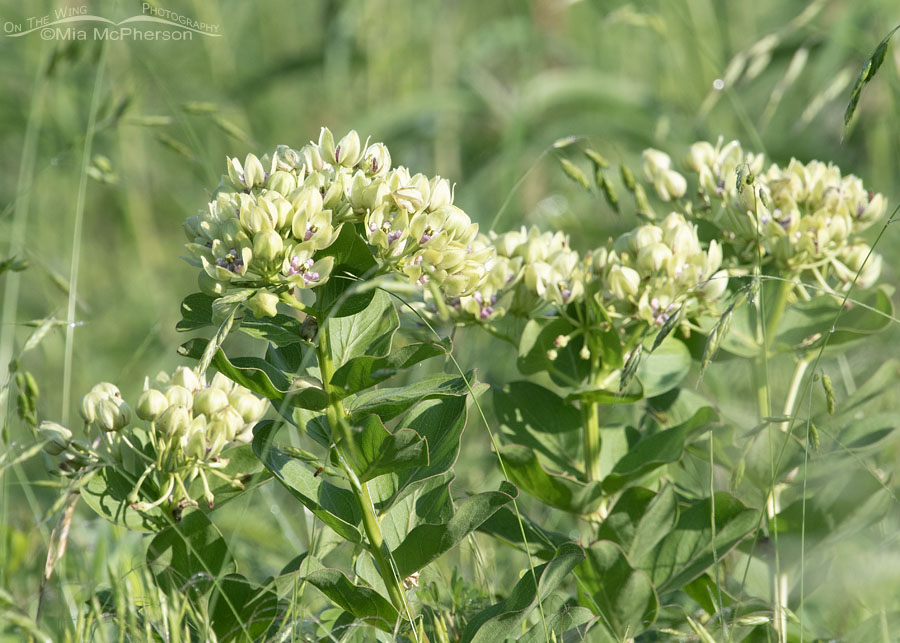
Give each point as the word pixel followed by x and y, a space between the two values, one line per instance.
pixel 591 433
pixel 346 446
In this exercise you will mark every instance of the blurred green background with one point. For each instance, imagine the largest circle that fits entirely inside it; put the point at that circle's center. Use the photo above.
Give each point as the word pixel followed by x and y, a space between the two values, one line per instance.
pixel 471 90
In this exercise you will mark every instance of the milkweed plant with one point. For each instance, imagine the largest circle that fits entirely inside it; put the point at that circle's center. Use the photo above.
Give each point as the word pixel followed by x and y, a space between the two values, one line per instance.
pixel 352 271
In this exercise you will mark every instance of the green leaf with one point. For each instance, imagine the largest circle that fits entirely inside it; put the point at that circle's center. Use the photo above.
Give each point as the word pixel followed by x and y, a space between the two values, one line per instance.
pixel 610 587
pixel 241 611
pixel 364 603
pixel 657 520
pixel 664 368
pixel 502 619
pixel 260 377
pixel 634 393
pixel 189 557
pixel 869 69
pixel 383 452
pixel 558 491
pixel 686 551
pixel 504 525
pixel 440 422
pixel 657 450
pixel 388 403
pixel 365 371
pixel 428 541
pixel 621 523
pixel 368 332
pixel 280 330
pixel 538 337
pixel 196 312
pixel 561 623
pixel 536 417
pixel 107 494
pixel 352 261
pixel 869 312
pixel 336 507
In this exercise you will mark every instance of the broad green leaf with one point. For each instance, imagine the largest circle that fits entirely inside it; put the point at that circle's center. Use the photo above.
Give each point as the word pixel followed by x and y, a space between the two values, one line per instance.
pixel 352 261
pixel 502 619
pixel 657 520
pixel 314 424
pixel 561 623
pixel 260 377
pixel 664 368
pixel 657 450
pixel 427 502
pixel 558 491
pixel 365 604
pixel 687 551
pixel 280 330
pixel 504 525
pixel 538 337
pixel 368 332
pixel 428 541
pixel 336 507
pixel 289 358
pixel 383 452
pixel 365 371
pixel 534 416
pixel 240 610
pixel 189 557
pixel 611 588
pixel 388 403
pixel 107 494
pixel 440 422
pixel 623 519
pixel 196 312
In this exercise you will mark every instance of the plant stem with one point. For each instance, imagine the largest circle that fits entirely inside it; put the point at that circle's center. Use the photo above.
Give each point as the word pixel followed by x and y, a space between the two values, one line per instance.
pixel 346 446
pixel 591 434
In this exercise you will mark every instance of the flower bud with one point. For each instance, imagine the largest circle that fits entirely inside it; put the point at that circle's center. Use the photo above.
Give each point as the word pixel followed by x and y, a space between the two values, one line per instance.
pixel 89 404
pixel 655 163
pixel 222 383
pixel 106 389
pixel 263 304
pixel 653 258
pixel 58 437
pixel 254 174
pixel 282 182
pixel 267 246
pixel 210 286
pixel 248 405
pixel 716 285
pixel 187 378
pixel 232 422
pixel 210 400
pixel 326 145
pixel 179 396
pixel 623 281
pixel 174 421
pixel 113 414
pixel 196 443
pixel 151 405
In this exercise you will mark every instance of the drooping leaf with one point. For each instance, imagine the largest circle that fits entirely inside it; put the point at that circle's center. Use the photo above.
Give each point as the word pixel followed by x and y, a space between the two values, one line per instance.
pixel 240 610
pixel 260 377
pixel 365 604
pixel 611 588
pixel 107 494
pixel 352 261
pixel 562 492
pixel 686 551
pixel 365 371
pixel 664 368
pixel 655 451
pixel 504 525
pixel 196 312
pixel 383 452
pixel 569 623
pixel 368 332
pixel 428 541
pixel 536 417
pixel 336 507
pixel 280 330
pixel 388 403
pixel 189 557
pixel 502 619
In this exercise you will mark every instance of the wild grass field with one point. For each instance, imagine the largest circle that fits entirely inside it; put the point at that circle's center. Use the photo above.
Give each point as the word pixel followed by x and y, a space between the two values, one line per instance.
pixel 109 145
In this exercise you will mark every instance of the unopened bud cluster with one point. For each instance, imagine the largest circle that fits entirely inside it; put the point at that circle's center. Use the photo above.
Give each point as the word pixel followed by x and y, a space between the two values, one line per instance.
pixel 802 217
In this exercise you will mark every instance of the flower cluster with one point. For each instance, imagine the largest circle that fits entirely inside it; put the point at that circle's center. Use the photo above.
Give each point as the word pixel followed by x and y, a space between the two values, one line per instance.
pixel 190 425
pixel 798 218
pixel 260 235
pixel 653 270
